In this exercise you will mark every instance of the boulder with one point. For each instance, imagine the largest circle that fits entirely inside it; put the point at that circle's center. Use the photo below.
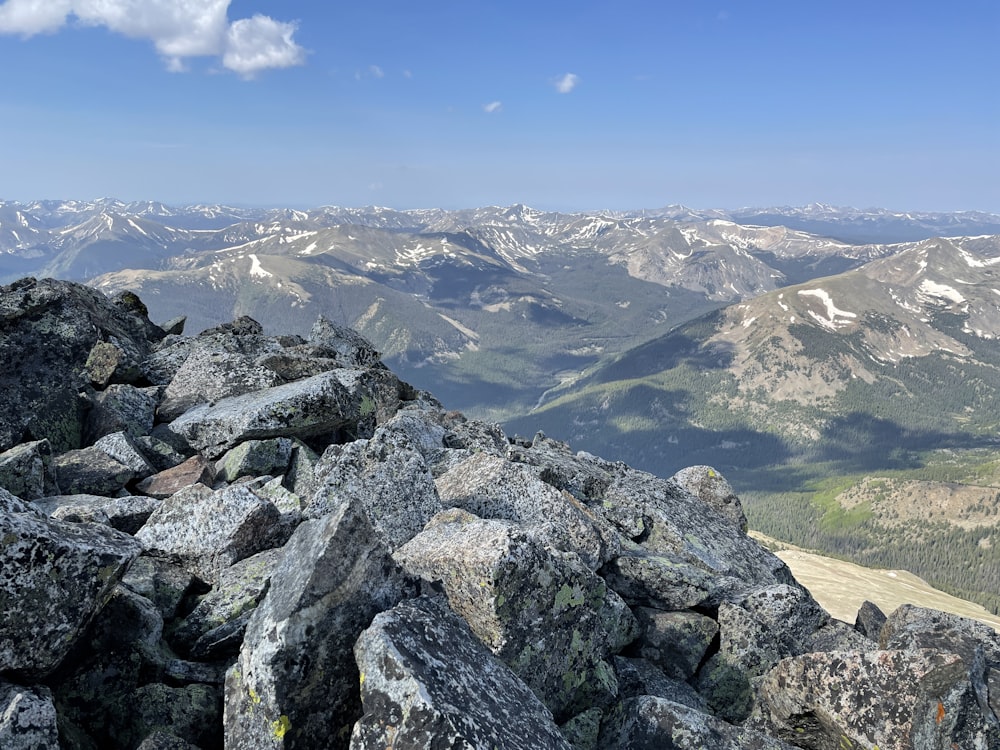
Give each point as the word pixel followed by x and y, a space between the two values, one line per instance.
pixel 26 470
pixel 126 513
pixel 27 718
pixel 320 405
pixel 711 488
pixel 254 458
pixel 676 642
pixel 109 362
pixel 123 448
pixel 209 531
pixel 427 682
pixel 548 617
pixel 54 577
pixel 295 678
pixel 196 470
pixel 163 583
pixel 869 620
pixel 120 408
pixel 90 471
pixel 637 676
pixel 346 346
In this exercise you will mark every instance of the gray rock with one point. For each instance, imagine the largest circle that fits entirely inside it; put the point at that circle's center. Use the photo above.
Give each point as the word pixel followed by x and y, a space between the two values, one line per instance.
pixel 110 362
pixel 582 732
pixel 319 405
pixel 254 458
pixel 174 326
pixel 90 471
pixel 160 740
pixel 161 455
pixel 295 679
pixel 711 488
pixel 869 620
pixel 385 475
pixel 640 677
pixel 124 449
pixel 210 531
pixel 490 487
pixel 647 722
pixel 674 641
pixel 126 513
pixel 429 683
pixel 39 384
pixel 196 470
pixel 192 713
pixel 162 582
pixel 348 347
pixel 299 362
pixel 53 577
pixel 837 636
pixel 26 470
pixel 27 718
pixel 120 408
pixel 549 618
pixel 215 626
pixel 890 699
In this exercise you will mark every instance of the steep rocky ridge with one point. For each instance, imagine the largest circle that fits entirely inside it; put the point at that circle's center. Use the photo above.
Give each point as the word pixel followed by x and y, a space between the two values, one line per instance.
pixel 308 552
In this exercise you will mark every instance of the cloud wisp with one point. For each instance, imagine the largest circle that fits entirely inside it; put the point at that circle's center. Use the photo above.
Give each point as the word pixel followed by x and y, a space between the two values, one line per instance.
pixel 492 107
pixel 566 83
pixel 179 29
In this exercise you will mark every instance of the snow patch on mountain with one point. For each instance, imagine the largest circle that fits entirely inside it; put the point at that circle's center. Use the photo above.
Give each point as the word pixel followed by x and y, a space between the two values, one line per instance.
pixel 834 314
pixel 256 270
pixel 943 291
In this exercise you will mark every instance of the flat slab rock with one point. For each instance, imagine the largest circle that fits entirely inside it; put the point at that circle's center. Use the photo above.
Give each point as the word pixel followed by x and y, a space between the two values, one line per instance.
pixel 27 718
pixel 427 682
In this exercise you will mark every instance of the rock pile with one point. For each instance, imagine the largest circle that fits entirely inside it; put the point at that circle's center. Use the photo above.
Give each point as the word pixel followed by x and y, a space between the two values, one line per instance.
pixel 247 541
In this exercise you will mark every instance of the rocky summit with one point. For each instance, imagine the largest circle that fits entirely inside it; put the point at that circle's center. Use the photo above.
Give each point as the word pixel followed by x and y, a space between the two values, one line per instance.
pixel 237 540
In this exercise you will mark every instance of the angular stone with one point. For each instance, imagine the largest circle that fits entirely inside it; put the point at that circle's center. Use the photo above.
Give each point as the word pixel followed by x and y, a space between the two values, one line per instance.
pixel 27 718
pixel 254 458
pixel 123 448
pixel 162 582
pixel 174 326
pixel 26 470
pixel 90 471
pixel 53 577
pixel 348 347
pixel 215 627
pixel 126 514
pixel 210 531
pixel 427 683
pixel 120 408
pixel 711 488
pixel 108 362
pixel 299 362
pixel 192 713
pixel 640 677
pixel 647 722
pixel 39 384
pixel 674 641
pixel 161 455
pixel 491 487
pixel 160 740
pixel 895 700
pixel 869 620
pixel 196 470
pixel 319 405
pixel 549 618
pixel 295 679
pixel 385 475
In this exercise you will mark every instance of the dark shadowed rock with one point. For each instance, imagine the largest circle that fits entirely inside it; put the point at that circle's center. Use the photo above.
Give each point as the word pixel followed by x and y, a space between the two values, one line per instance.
pixel 674 641
pixel 126 513
pixel 428 683
pixel 548 617
pixel 210 531
pixel 108 362
pixel 161 582
pixel 640 677
pixel 319 405
pixel 26 470
pixel 39 384
pixel 254 458
pixel 195 470
pixel 120 408
pixel 90 471
pixel 27 718
pixel 295 679
pixel 869 620
pixel 711 488
pixel 53 577
pixel 161 455
pixel 650 723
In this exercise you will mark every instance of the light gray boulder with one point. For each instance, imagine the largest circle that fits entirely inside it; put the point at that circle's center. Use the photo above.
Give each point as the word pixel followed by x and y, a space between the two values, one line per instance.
pixel 26 470
pixel 254 458
pixel 27 718
pixel 545 615
pixel 126 514
pixel 711 488
pixel 295 679
pixel 123 448
pixel 427 682
pixel 210 531
pixel 320 405
pixel 54 577
pixel 120 408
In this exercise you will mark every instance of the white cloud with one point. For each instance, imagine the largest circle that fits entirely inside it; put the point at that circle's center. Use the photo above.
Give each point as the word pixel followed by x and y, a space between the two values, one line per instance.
pixel 179 29
pixel 492 107
pixel 376 71
pixel 565 84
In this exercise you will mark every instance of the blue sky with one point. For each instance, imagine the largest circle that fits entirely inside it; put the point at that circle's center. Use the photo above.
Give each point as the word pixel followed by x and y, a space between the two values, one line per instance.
pixel 561 105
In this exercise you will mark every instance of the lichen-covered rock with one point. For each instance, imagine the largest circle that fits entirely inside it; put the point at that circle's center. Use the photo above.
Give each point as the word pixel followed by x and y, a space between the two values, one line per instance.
pixel 319 405
pixel 869 620
pixel 583 731
pixel 109 362
pixel 648 722
pixel 26 470
pixel 549 618
pixel 120 408
pixel 895 700
pixel 192 713
pixel 162 582
pixel 711 488
pixel 53 577
pixel 387 476
pixel 39 383
pixel 123 448
pixel 210 531
pixel 295 679
pixel 215 627
pixel 254 458
pixel 160 740
pixel 674 641
pixel 490 487
pixel 196 470
pixel 126 513
pixel 640 677
pixel 90 471
pixel 428 683
pixel 348 347
pixel 161 455
pixel 27 718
